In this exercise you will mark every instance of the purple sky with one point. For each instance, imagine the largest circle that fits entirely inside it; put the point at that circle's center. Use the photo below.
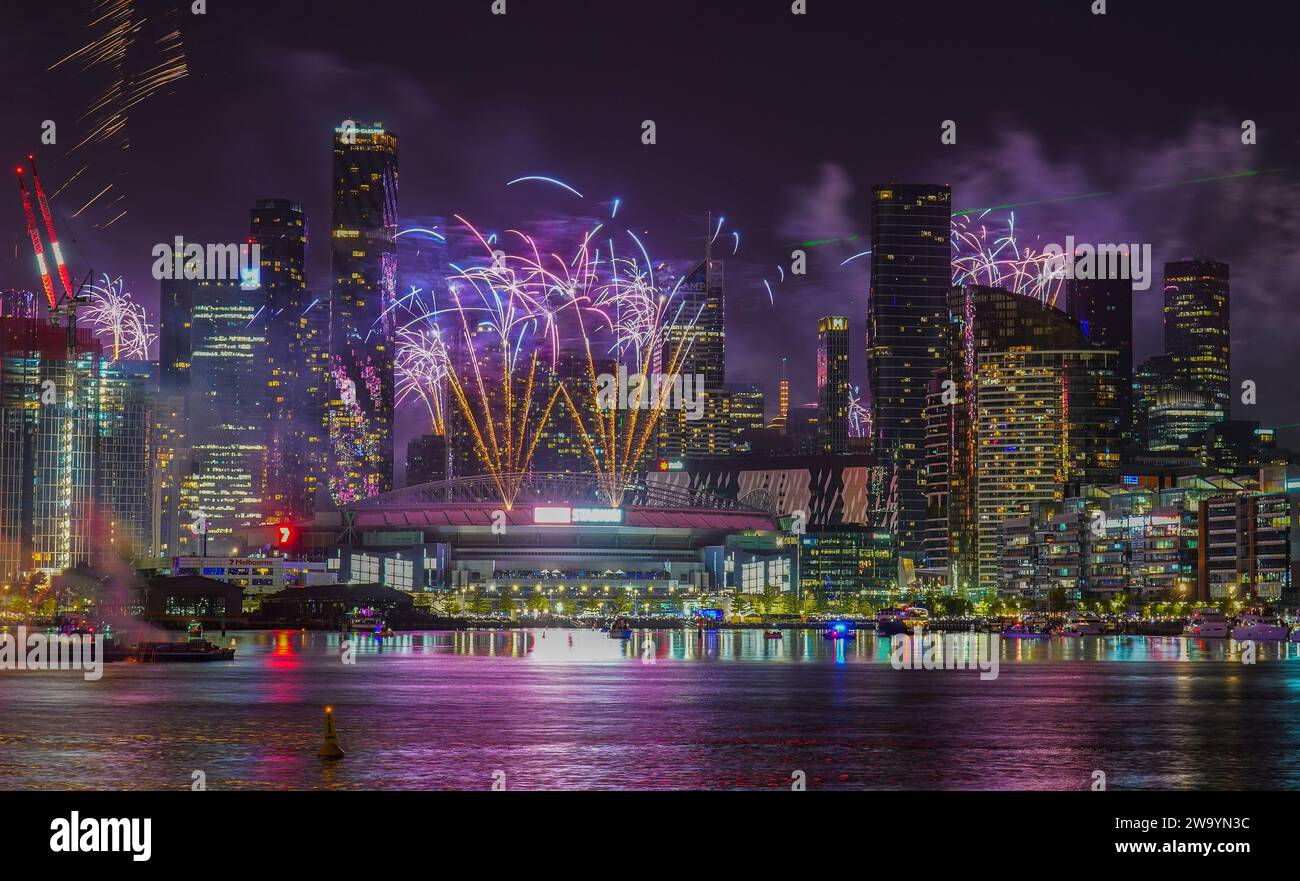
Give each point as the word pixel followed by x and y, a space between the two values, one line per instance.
pixel 782 124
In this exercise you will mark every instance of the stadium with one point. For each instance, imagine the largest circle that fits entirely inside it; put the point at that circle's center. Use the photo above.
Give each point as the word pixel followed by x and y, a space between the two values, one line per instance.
pixel 561 538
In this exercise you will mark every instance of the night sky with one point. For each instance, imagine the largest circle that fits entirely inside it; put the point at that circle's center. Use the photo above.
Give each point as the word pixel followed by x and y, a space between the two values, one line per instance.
pixel 781 123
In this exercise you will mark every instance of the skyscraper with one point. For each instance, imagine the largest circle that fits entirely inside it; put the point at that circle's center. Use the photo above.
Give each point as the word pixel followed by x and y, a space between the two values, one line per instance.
pixel 1038 415
pixel 49 408
pixel 1104 310
pixel 833 384
pixel 1019 427
pixel 747 401
pixel 123 478
pixel 317 387
pixel 1169 415
pixel 364 263
pixel 1196 327
pixel 222 414
pixel 704 345
pixel 279 227
pixel 911 273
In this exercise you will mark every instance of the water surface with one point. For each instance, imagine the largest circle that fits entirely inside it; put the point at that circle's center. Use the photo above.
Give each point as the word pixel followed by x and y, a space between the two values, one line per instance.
pixel 560 709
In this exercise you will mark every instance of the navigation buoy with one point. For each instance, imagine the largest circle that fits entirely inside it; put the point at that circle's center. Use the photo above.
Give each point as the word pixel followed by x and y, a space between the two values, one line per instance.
pixel 330 750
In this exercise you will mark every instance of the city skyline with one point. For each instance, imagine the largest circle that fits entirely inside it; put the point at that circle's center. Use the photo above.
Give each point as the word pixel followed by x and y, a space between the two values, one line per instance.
pixel 821 193
pixel 741 395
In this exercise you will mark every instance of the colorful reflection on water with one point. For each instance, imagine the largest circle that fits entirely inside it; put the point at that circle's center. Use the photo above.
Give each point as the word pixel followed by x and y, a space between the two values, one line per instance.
pixel 714 709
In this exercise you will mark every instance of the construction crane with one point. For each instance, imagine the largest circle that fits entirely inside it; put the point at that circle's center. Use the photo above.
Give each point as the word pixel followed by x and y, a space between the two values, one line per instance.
pixel 36 242
pixel 66 303
pixel 49 229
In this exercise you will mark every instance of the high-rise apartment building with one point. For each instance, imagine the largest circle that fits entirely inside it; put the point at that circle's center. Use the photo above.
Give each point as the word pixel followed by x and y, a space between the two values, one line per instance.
pixel 833 384
pixel 279 227
pixel 219 408
pixel 1103 307
pixel 124 475
pixel 49 422
pixel 364 268
pixel 747 402
pixel 1029 411
pixel 1038 416
pixel 1197 327
pixel 697 342
pixel 911 273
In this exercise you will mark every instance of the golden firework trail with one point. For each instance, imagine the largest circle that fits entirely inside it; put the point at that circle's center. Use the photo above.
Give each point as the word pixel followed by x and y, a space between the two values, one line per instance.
pixel 519 304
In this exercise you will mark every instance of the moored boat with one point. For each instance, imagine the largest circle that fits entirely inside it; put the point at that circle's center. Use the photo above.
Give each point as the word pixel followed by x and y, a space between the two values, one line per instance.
pixel 901 620
pixel 1260 628
pixel 194 648
pixel 1029 628
pixel 1206 623
pixel 1083 624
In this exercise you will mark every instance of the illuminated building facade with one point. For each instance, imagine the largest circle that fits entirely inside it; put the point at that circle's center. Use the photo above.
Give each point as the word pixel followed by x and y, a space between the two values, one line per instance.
pixel 1103 307
pixel 835 564
pixel 560 446
pixel 123 476
pixel 935 572
pixel 833 384
pixel 364 262
pixel 1196 328
pixel 49 408
pixel 1046 422
pixel 1250 542
pixel 911 274
pixel 747 402
pixel 993 331
pixel 316 391
pixel 1112 543
pixel 224 471
pixel 705 344
pixel 781 422
pixel 279 227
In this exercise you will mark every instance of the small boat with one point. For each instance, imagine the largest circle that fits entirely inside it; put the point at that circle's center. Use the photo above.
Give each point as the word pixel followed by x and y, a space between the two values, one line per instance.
pixel 1206 624
pixel 619 630
pixel 890 622
pixel 195 648
pixel 839 630
pixel 1262 628
pixel 1083 624
pixel 773 634
pixel 1027 629
pixel 364 621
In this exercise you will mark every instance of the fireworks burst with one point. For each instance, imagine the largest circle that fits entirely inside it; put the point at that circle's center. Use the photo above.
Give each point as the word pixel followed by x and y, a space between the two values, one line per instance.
pixel 993 256
pixel 859 416
pixel 420 361
pixel 485 360
pixel 119 322
pixel 136 53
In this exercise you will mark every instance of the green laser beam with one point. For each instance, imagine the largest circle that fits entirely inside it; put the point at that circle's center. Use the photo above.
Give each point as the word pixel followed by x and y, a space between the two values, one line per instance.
pixel 1079 197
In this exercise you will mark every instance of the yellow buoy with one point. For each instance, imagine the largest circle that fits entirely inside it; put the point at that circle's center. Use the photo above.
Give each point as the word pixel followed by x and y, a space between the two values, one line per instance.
pixel 330 750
